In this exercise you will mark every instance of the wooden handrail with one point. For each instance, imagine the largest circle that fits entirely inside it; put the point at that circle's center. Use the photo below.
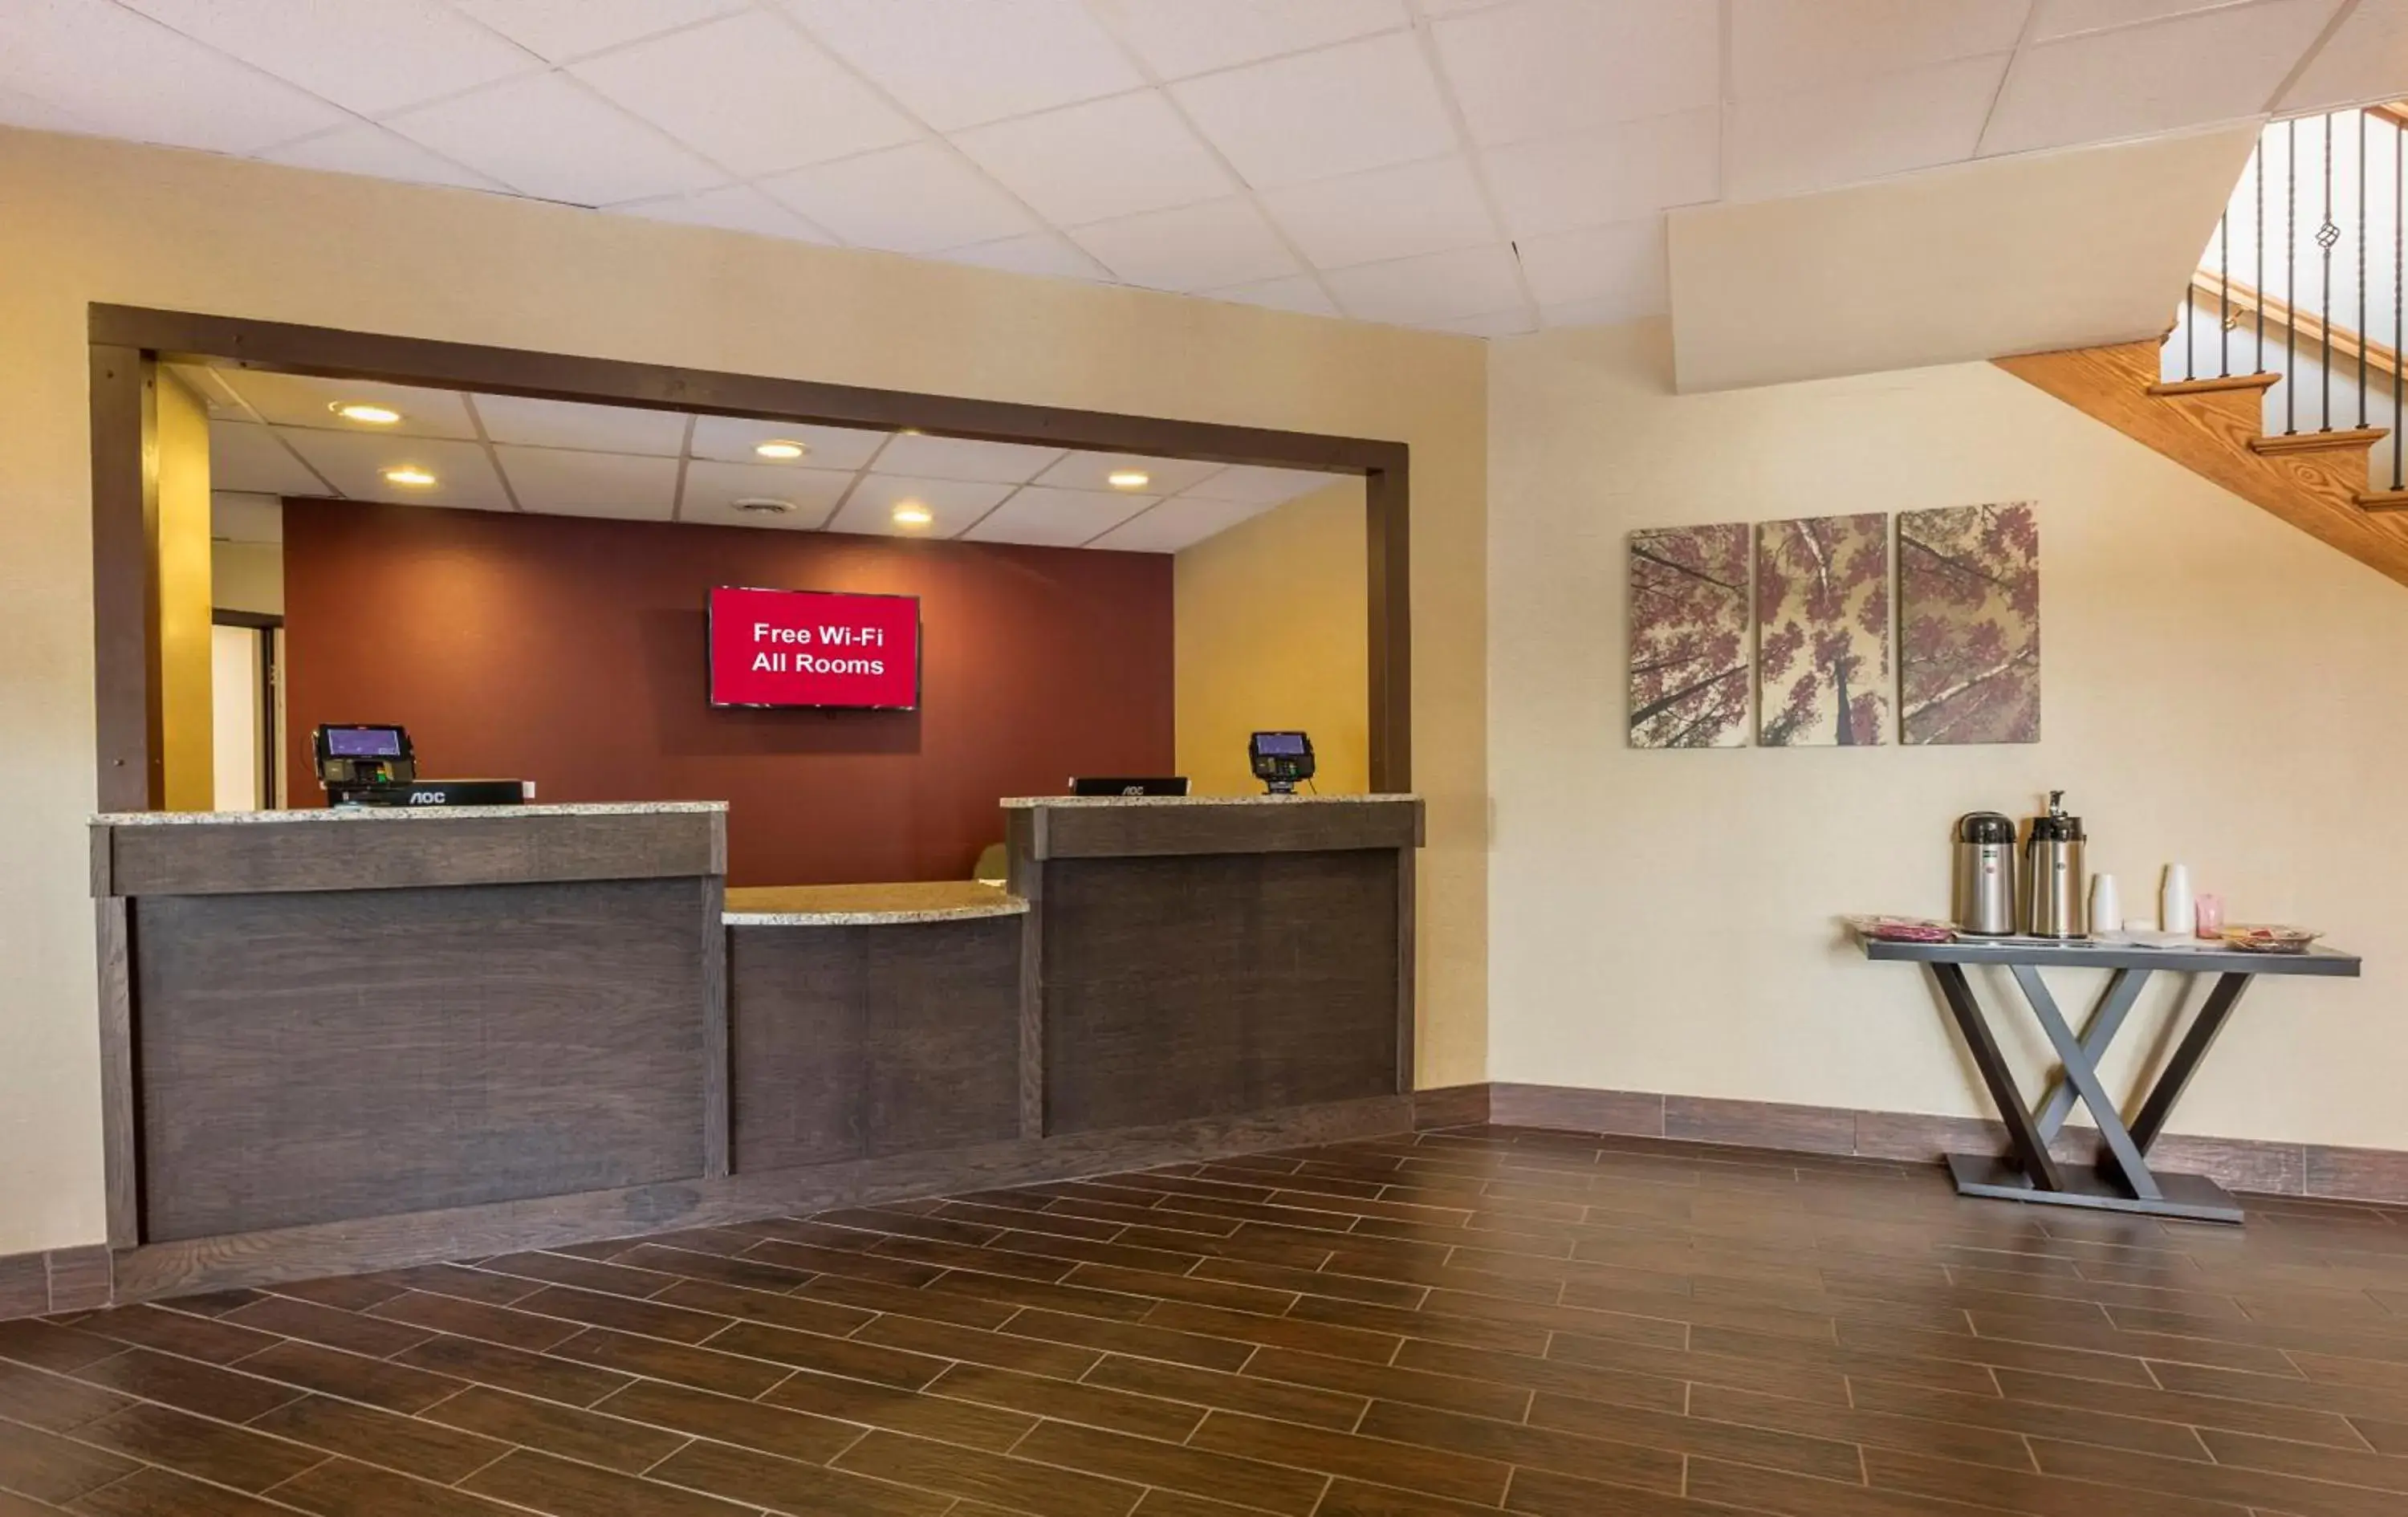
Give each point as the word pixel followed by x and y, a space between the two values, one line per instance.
pixel 2240 300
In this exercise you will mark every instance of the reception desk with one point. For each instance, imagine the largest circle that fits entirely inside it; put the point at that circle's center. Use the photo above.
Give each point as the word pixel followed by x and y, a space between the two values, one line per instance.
pixel 350 1040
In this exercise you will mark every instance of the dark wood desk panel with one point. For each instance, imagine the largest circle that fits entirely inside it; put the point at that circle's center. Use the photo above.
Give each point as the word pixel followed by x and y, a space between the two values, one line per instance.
pixel 311 1058
pixel 1207 985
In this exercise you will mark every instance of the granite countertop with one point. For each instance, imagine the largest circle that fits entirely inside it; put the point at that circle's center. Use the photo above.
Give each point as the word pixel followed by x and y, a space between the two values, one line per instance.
pixel 1028 803
pixel 395 813
pixel 858 906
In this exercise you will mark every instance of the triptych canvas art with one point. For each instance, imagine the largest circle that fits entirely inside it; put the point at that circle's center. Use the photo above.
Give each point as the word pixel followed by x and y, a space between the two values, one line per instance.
pixel 1791 621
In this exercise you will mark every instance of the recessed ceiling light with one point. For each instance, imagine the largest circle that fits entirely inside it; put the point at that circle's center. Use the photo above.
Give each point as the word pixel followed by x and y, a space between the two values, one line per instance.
pixel 778 448
pixel 763 506
pixel 360 411
pixel 912 514
pixel 1130 478
pixel 410 475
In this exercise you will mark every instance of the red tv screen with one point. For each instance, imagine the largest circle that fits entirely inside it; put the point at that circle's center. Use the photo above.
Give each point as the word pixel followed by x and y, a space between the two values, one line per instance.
pixel 814 648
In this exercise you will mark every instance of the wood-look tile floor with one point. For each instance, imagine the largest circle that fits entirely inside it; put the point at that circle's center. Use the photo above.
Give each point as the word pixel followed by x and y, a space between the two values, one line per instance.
pixel 1549 1323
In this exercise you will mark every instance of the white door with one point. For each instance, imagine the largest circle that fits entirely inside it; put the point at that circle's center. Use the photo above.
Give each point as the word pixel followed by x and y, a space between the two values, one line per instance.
pixel 238 711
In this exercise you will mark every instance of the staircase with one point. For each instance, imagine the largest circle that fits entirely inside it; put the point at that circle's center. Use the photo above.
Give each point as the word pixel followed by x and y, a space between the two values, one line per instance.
pixel 2317 225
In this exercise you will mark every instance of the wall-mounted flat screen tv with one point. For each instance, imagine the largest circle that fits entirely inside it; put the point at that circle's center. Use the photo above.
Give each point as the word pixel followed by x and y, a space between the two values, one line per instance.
pixel 814 648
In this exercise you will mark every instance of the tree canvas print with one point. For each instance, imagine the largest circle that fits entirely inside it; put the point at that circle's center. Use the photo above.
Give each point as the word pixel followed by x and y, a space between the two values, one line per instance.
pixel 1969 624
pixel 1688 636
pixel 1822 641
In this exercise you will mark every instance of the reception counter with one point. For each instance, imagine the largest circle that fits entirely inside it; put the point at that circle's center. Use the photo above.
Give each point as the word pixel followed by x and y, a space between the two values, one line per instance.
pixel 352 1040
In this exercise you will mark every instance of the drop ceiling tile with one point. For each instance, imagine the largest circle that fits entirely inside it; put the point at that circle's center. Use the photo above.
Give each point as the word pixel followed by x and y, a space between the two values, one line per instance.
pixel 712 488
pixel 919 455
pixel 1607 312
pixel 367 58
pixel 566 423
pixel 1251 484
pixel 1047 254
pixel 240 516
pixel 246 456
pixel 1790 144
pixel 1219 242
pixel 1093 471
pixel 1633 169
pixel 305 401
pixel 2211 66
pixel 18 109
pixel 2068 18
pixel 958 62
pixel 560 481
pixel 366 148
pixel 749 93
pixel 914 199
pixel 157 85
pixel 1623 263
pixel 1384 213
pixel 731 439
pixel 1044 517
pixel 1180 37
pixel 560 30
pixel 1435 287
pixel 551 138
pixel 1178 523
pixel 1100 160
pixel 954 504
pixel 1789 47
pixel 733 208
pixel 1317 115
pixel 1300 292
pixel 1547 67
pixel 2360 65
pixel 207 382
pixel 464 476
pixel 1503 324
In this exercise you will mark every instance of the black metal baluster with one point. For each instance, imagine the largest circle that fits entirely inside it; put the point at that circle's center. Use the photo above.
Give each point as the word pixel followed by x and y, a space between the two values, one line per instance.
pixel 2363 335
pixel 2399 276
pixel 2291 276
pixel 2224 295
pixel 2327 235
pixel 2258 167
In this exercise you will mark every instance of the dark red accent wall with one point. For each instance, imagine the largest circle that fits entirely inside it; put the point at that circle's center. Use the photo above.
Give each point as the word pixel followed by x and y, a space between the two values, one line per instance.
pixel 570 651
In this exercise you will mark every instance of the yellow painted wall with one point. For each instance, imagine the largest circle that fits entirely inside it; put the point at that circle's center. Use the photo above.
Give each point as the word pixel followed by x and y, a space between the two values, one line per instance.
pixel 92 221
pixel 182 545
pixel 1270 637
pixel 2217 688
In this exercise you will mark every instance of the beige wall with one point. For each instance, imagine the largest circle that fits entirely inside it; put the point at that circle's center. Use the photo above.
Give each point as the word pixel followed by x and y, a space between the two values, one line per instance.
pixel 89 221
pixel 185 664
pixel 248 577
pixel 1271 635
pixel 2218 688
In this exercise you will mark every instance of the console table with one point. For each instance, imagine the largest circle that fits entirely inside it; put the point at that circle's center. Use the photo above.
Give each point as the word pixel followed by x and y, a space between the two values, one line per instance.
pixel 2122 1179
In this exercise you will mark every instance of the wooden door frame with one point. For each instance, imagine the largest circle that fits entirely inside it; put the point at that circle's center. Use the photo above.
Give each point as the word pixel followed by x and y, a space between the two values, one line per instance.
pixel 129 342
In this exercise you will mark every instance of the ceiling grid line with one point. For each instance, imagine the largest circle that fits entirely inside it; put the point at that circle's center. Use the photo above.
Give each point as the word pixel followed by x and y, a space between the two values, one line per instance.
pixel 1425 41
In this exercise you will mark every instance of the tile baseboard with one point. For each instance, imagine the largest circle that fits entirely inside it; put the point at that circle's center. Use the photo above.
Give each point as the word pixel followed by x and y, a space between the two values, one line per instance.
pixel 2257 1165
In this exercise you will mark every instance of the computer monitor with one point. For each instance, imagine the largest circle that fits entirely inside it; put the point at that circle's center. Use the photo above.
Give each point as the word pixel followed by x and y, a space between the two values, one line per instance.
pixel 1143 784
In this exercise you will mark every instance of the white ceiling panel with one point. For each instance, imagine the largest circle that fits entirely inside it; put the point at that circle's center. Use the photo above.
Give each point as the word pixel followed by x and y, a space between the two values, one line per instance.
pixel 1044 517
pixel 712 488
pixel 1789 47
pixel 1177 524
pixel 238 516
pixel 246 456
pixel 1542 67
pixel 921 456
pixel 1435 287
pixel 2067 18
pixel 1181 38
pixel 1598 264
pixel 749 93
pixel 307 401
pixel 560 31
pixel 1251 484
pixel 1316 115
pixel 564 482
pixel 1219 242
pixel 17 109
pixel 1046 254
pixel 366 148
pixel 731 208
pixel 367 58
pixel 1102 159
pixel 2366 60
pixel 355 463
pixel 602 429
pixel 918 198
pixel 953 504
pixel 1298 293
pixel 133 77
pixel 958 62
pixel 732 438
pixel 1384 213
pixel 1503 324
pixel 1094 471
pixel 1790 144
pixel 1637 168
pixel 2210 67
pixel 551 138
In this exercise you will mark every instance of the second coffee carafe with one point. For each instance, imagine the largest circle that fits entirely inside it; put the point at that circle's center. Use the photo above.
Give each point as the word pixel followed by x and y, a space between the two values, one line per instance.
pixel 2055 894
